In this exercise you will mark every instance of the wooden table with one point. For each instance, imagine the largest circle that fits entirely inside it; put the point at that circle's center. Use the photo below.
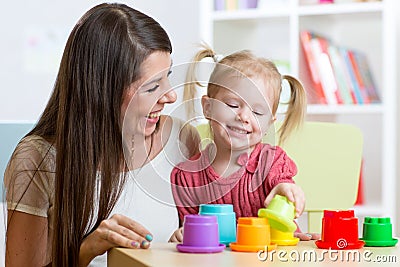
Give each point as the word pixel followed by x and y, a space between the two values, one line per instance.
pixel 304 254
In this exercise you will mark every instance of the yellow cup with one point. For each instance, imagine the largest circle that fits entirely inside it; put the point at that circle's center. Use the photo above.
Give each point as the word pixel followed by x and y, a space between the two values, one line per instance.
pixel 283 238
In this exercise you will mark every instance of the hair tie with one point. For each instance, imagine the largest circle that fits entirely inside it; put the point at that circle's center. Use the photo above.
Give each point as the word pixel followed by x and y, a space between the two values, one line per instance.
pixel 218 58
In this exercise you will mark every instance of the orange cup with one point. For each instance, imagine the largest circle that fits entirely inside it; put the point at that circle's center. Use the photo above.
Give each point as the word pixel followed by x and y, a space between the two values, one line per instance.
pixel 253 234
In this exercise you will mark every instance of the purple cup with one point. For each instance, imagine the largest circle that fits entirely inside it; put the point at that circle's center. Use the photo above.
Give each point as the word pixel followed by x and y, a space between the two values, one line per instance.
pixel 200 235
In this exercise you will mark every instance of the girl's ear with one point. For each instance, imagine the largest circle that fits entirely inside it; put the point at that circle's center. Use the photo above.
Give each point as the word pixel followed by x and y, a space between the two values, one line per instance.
pixel 206 105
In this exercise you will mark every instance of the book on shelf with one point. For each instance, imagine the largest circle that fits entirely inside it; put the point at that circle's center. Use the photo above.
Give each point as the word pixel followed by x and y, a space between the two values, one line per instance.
pixel 333 74
pixel 309 72
pixel 366 76
pixel 359 79
pixel 234 4
pixel 328 79
pixel 315 2
pixel 347 77
pixel 219 5
pixel 342 78
pixel 231 4
pixel 353 79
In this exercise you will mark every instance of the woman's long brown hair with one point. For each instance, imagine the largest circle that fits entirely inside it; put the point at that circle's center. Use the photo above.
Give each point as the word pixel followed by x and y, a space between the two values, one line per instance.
pixel 82 119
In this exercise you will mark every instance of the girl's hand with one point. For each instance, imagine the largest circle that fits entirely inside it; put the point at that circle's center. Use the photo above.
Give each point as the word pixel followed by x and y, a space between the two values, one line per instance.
pixel 177 236
pixel 293 193
pixel 307 236
pixel 118 230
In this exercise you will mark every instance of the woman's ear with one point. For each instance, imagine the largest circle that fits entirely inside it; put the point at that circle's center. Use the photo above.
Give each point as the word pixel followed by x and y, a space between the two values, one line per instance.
pixel 206 105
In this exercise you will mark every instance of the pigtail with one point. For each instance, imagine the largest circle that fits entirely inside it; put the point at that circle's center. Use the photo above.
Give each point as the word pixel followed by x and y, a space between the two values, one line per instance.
pixel 189 90
pixel 296 108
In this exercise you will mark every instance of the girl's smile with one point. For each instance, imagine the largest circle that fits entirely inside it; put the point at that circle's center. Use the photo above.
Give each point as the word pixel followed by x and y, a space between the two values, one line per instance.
pixel 239 113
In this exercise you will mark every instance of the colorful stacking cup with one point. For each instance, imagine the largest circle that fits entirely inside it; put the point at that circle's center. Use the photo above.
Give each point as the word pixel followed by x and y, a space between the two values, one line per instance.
pixel 253 234
pixel 226 220
pixel 339 230
pixel 200 235
pixel 280 214
pixel 377 232
pixel 283 238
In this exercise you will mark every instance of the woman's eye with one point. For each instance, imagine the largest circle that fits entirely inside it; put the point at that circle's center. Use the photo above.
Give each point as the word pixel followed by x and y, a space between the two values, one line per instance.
pixel 153 89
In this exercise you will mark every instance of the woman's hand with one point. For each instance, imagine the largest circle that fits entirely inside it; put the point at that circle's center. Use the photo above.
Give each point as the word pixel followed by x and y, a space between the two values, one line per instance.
pixel 177 236
pixel 293 193
pixel 118 230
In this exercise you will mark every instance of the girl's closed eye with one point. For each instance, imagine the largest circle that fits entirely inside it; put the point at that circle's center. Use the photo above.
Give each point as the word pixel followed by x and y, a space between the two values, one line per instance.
pixel 258 113
pixel 231 105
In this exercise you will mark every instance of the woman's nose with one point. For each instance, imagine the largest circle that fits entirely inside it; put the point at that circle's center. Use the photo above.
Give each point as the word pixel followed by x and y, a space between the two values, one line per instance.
pixel 168 97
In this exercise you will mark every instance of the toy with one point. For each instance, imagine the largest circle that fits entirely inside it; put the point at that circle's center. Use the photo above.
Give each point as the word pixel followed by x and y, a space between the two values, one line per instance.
pixel 339 230
pixel 226 220
pixel 377 232
pixel 283 238
pixel 200 235
pixel 280 214
pixel 253 234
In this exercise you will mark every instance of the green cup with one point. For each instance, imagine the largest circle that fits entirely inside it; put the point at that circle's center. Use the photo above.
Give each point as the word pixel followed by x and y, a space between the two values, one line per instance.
pixel 377 232
pixel 280 214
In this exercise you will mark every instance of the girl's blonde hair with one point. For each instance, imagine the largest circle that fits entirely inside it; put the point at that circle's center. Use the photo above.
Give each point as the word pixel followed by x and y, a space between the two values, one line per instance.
pixel 245 64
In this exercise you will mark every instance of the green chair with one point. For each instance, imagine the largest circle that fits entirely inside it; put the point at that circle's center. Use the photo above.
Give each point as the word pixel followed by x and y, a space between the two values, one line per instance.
pixel 205 134
pixel 328 157
pixel 10 135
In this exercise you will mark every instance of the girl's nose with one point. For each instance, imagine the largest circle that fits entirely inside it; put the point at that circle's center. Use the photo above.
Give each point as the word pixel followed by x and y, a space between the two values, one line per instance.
pixel 243 116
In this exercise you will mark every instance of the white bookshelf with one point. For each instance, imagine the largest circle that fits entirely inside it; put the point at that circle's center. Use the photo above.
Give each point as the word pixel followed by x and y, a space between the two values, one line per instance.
pixel 273 32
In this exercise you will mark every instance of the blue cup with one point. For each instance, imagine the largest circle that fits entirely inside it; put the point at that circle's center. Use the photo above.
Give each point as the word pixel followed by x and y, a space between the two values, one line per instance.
pixel 226 220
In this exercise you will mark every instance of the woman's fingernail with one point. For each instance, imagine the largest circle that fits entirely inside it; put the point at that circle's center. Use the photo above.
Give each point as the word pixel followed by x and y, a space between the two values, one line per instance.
pixel 145 244
pixel 135 244
pixel 149 238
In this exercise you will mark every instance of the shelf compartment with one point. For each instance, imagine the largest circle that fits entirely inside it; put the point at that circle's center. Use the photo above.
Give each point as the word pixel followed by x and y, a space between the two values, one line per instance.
pixel 332 9
pixel 345 109
pixel 250 14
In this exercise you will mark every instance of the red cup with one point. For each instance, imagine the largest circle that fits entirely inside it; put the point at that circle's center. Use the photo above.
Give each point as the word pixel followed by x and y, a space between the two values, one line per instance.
pixel 339 230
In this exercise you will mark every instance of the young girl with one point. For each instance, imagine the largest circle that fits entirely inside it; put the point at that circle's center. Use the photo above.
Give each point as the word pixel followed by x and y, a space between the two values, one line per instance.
pixel 241 103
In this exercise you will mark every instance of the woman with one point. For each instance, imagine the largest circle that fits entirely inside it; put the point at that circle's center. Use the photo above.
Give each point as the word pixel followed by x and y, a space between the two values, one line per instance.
pixel 65 191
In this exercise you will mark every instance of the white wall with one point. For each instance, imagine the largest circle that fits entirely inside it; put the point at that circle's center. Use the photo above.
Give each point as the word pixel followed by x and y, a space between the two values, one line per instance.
pixel 34 33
